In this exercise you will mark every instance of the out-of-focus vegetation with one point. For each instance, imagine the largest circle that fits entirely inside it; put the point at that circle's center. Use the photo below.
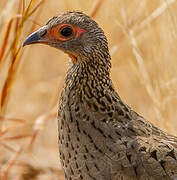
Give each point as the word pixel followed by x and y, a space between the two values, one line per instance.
pixel 142 38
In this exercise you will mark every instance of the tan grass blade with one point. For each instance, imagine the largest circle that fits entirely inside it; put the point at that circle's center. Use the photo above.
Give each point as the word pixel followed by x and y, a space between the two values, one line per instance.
pixel 4 46
pixel 156 13
pixel 11 164
pixel 17 137
pixel 97 7
pixel 8 82
pixel 37 6
pixel 6 146
pixel 17 120
pixel 23 7
pixel 13 67
pixel 3 132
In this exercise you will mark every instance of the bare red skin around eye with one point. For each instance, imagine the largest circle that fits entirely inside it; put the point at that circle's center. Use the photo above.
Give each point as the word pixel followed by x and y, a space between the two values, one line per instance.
pixel 54 33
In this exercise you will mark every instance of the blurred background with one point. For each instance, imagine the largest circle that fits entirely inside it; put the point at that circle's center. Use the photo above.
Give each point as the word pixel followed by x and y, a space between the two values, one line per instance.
pixel 142 38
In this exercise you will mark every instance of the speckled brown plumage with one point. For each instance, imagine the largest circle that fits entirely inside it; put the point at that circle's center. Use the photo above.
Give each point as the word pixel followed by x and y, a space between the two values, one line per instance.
pixel 100 137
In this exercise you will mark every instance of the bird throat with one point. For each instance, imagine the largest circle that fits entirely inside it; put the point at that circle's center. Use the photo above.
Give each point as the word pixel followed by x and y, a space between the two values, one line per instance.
pixel 73 58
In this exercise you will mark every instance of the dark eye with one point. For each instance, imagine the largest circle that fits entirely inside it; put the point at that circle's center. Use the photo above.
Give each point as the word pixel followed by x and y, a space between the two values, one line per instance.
pixel 66 32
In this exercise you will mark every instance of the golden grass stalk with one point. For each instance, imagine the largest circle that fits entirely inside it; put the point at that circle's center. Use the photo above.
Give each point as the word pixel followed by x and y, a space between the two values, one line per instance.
pixel 15 49
pixel 8 147
pixel 96 8
pixel 11 164
pixel 19 137
pixel 17 120
pixel 3 48
pixel 156 13
pixel 11 46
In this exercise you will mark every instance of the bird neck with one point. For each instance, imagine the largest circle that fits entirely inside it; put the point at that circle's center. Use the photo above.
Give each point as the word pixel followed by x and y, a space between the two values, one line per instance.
pixel 93 71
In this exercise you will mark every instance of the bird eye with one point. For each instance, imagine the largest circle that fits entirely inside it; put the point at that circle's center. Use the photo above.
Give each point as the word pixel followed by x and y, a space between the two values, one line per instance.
pixel 66 32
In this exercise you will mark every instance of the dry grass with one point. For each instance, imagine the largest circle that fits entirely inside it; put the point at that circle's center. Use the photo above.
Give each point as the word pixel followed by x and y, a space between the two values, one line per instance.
pixel 142 38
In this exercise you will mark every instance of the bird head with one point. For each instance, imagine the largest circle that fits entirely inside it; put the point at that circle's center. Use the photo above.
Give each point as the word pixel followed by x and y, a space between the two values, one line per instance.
pixel 75 34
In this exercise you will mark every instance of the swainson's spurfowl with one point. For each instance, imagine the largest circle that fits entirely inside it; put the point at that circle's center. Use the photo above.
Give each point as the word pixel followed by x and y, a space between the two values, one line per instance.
pixel 100 137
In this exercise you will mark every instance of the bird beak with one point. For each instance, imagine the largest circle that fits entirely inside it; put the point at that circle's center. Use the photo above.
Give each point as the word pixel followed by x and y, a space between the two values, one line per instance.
pixel 36 37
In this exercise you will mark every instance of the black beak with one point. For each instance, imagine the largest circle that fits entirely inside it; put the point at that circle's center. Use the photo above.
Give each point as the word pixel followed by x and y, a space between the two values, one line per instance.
pixel 36 37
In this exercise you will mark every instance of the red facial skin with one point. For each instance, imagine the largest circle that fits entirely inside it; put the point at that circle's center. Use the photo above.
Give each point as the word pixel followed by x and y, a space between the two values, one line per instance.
pixel 54 33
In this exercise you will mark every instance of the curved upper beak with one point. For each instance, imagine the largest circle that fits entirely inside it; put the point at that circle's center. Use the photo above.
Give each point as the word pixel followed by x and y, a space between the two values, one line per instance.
pixel 36 37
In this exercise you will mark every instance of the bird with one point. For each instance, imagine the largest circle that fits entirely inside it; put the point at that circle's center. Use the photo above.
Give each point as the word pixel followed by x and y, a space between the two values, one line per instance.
pixel 100 136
